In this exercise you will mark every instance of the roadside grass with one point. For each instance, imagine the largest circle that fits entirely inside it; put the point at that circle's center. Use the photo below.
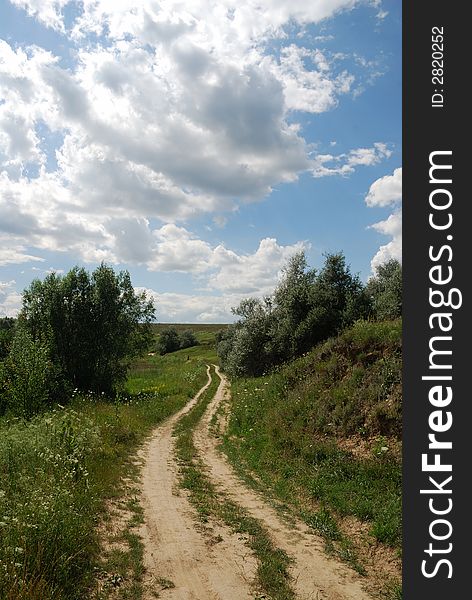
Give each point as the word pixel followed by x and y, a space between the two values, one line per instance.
pixel 272 573
pixel 287 428
pixel 59 471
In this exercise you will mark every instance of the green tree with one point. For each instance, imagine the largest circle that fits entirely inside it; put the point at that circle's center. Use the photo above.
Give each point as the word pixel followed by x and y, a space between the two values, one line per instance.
pixel 94 324
pixel 187 339
pixel 306 308
pixel 169 341
pixel 7 331
pixel 27 375
pixel 385 290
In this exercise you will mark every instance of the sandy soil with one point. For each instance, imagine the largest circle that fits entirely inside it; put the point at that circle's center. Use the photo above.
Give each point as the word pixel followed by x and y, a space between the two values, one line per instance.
pixel 315 575
pixel 182 561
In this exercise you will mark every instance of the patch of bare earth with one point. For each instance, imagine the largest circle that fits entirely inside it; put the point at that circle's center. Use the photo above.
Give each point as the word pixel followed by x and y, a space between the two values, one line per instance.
pixel 184 562
pixel 316 576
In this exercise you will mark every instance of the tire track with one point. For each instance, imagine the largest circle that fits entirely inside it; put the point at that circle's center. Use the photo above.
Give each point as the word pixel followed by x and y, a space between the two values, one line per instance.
pixel 181 562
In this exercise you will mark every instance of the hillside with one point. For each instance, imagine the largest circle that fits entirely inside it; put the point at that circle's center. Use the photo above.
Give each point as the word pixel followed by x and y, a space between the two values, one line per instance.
pixel 323 434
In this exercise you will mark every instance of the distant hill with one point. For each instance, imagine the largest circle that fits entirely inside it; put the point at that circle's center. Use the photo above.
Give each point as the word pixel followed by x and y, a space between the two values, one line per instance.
pixel 195 327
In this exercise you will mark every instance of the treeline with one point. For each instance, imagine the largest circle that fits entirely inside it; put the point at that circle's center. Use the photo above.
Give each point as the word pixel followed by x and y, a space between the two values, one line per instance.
pixel 74 332
pixel 306 308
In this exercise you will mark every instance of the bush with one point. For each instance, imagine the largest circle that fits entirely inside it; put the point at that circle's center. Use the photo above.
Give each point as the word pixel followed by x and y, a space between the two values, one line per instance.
pixel 168 341
pixel 306 308
pixel 27 376
pixel 171 341
pixel 7 331
pixel 188 339
pixel 385 290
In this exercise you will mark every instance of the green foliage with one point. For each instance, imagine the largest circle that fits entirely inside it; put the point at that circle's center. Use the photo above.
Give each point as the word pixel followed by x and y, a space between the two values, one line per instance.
pixel 27 376
pixel 306 307
pixel 286 426
pixel 188 339
pixel 385 290
pixel 93 324
pixel 7 330
pixel 170 340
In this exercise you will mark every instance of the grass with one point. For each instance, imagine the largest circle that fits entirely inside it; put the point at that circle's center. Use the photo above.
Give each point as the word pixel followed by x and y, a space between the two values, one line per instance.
pixel 272 573
pixel 59 472
pixel 288 428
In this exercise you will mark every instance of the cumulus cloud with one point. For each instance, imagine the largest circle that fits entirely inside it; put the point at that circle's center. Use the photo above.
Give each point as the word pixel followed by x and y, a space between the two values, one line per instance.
pixel 178 109
pixel 188 308
pixel 387 191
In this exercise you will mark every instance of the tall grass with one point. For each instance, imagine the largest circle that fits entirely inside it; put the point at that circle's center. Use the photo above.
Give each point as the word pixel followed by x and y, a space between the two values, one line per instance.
pixel 287 426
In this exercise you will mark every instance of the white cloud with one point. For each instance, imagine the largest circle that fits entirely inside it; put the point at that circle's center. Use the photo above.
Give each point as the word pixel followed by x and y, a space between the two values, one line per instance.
pixel 48 12
pixel 178 110
pixel 387 191
pixel 16 256
pixel 188 308
pixel 251 274
pixel 346 163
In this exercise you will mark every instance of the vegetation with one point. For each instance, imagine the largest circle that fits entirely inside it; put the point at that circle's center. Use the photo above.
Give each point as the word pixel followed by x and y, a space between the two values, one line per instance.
pixel 58 468
pixel 311 382
pixel 93 325
pixel 385 290
pixel 347 387
pixel 27 376
pixel 7 330
pixel 170 340
pixel 306 308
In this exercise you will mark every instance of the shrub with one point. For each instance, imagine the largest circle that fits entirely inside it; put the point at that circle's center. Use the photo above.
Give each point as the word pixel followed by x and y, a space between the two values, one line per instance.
pixel 188 339
pixel 168 341
pixel 385 290
pixel 27 375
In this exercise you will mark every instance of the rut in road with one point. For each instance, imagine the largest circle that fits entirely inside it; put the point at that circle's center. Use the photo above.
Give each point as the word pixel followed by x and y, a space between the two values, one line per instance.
pixel 181 562
pixel 315 575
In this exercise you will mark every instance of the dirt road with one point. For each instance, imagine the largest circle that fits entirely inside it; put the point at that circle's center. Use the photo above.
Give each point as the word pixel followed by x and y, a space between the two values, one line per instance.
pixel 177 551
pixel 181 562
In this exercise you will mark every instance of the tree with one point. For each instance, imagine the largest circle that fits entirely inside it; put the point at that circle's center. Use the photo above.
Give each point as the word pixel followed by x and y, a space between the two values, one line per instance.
pixel 27 375
pixel 306 308
pixel 187 339
pixel 94 324
pixel 7 331
pixel 385 290
pixel 168 341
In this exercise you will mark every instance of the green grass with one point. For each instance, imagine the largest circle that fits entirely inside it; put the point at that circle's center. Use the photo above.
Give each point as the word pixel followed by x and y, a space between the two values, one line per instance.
pixel 272 572
pixel 348 385
pixel 58 470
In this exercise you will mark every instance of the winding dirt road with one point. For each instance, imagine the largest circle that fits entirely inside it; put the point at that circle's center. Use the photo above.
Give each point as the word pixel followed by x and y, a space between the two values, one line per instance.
pixel 178 551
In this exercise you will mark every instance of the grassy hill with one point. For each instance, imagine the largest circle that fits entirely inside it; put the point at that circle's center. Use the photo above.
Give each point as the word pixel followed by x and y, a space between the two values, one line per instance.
pixel 323 433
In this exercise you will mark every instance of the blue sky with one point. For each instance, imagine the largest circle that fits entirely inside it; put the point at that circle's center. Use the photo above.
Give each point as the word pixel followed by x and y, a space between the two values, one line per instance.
pixel 197 144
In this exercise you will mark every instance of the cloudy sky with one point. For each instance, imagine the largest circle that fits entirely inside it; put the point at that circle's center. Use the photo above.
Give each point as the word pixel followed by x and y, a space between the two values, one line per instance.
pixel 197 143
